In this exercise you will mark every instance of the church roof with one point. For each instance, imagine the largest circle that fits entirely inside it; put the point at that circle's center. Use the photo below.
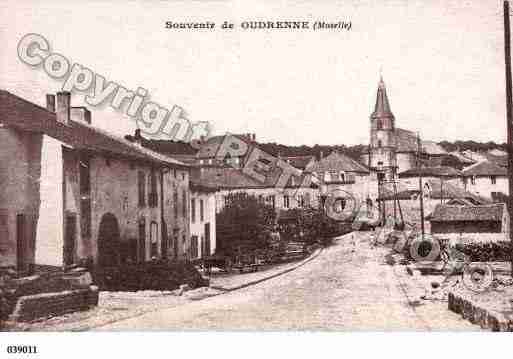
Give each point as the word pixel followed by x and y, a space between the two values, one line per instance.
pixel 406 141
pixel 382 107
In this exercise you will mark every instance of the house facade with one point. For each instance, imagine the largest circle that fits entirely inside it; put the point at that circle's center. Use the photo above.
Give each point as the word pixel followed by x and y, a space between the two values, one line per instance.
pixel 471 223
pixel 70 192
pixel 486 178
pixel 202 220
pixel 340 172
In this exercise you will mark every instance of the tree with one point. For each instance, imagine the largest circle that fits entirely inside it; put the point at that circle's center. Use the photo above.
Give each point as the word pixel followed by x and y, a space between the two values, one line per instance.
pixel 244 225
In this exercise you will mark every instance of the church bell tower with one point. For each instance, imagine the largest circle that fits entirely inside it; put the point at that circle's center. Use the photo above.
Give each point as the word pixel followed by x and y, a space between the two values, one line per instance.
pixel 382 146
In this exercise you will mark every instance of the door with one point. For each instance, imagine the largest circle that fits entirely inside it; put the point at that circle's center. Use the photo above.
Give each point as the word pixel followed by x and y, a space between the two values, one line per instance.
pixel 164 240
pixel 20 242
pixel 207 239
pixel 142 241
pixel 69 239
pixel 108 241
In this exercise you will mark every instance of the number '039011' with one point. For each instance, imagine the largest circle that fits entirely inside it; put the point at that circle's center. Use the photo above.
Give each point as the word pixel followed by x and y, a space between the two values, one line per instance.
pixel 21 349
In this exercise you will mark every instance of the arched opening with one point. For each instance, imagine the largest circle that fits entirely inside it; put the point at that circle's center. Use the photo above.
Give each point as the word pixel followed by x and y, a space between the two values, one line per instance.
pixel 108 241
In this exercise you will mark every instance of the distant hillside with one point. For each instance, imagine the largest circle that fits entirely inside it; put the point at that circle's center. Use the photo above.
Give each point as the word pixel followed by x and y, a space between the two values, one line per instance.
pixel 472 146
pixel 284 150
pixel 355 151
pixel 170 147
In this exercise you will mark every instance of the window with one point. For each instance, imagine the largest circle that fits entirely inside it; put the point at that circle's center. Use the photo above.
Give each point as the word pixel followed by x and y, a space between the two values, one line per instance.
pixel 473 180
pixel 342 176
pixel 153 196
pixel 85 199
pixel 183 176
pixel 194 247
pixel 174 173
pixel 183 242
pixel 379 144
pixel 193 210
pixel 493 179
pixel 142 241
pixel 141 179
pixel 301 201
pixel 85 181
pixel 202 218
pixel 379 124
pixel 272 200
pixel 154 239
pixel 184 203
pixel 175 203
pixel 286 201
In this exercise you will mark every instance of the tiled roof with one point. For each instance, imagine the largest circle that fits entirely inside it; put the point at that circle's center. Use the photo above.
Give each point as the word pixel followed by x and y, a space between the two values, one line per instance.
pixel 438 190
pixel 460 156
pixel 382 107
pixel 432 148
pixel 210 147
pixel 336 161
pixel 447 213
pixel 406 141
pixel 497 152
pixel 299 162
pixel 226 177
pixel 485 168
pixel 438 171
pixel 25 116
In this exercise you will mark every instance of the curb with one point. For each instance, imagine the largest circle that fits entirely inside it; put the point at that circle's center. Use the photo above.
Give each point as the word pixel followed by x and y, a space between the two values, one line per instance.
pixel 312 256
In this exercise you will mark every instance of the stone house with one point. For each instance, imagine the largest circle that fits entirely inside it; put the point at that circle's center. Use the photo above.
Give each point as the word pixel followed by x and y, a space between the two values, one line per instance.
pixel 476 223
pixel 338 171
pixel 486 178
pixel 228 180
pixel 70 192
pixel 207 154
pixel 202 220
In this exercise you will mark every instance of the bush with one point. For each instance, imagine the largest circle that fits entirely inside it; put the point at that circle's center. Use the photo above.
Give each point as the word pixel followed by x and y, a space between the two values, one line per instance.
pixel 158 275
pixel 487 252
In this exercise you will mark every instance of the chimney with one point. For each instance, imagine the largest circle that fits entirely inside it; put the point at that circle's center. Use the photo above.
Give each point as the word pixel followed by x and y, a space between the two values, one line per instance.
pixel 50 102
pixel 63 107
pixel 80 114
pixel 137 136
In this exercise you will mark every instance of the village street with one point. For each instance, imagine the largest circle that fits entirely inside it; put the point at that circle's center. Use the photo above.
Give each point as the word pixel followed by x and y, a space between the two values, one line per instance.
pixel 341 289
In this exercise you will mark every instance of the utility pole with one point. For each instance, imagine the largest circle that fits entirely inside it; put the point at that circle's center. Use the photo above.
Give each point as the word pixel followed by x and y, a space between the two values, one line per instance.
pixel 421 194
pixel 509 105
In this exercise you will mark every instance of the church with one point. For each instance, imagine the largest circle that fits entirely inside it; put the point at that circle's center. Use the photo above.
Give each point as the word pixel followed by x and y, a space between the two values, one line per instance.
pixel 394 150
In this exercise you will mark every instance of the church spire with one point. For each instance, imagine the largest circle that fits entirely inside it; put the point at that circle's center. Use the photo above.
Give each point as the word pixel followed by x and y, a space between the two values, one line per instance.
pixel 382 108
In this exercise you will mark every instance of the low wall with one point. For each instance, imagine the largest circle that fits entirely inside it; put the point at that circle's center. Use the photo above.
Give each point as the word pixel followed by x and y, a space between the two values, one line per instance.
pixel 42 305
pixel 474 237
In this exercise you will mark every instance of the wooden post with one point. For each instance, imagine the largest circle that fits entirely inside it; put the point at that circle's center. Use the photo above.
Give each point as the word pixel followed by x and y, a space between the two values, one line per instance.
pixel 421 194
pixel 509 105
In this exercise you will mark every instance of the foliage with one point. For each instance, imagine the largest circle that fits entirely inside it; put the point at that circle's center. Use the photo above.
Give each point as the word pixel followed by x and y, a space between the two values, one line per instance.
pixel 244 224
pixel 311 225
pixel 487 252
pixel 154 275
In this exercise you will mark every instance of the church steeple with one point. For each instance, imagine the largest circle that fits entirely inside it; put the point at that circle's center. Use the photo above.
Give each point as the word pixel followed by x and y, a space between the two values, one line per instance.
pixel 382 107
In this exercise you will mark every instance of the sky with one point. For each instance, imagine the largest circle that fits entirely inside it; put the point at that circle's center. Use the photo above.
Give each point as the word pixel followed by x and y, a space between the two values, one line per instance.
pixel 442 62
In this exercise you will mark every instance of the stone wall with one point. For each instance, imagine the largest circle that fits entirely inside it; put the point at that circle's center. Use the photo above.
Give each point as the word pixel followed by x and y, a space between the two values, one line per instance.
pixel 36 306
